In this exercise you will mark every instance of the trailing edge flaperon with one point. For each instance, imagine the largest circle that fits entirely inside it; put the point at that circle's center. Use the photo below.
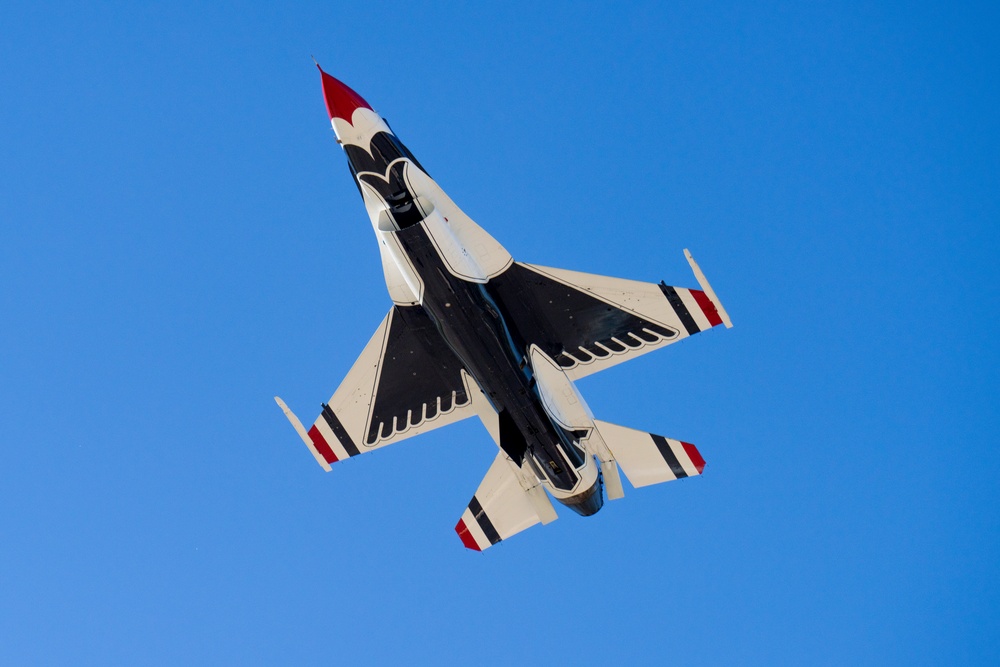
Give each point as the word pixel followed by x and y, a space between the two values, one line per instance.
pixel 472 332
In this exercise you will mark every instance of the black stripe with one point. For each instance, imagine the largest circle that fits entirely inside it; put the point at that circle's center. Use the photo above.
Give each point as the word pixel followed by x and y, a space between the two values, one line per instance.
pixel 668 456
pixel 682 312
pixel 484 521
pixel 338 430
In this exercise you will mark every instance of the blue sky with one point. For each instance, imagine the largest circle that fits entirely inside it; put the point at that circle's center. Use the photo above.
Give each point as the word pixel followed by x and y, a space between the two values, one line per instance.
pixel 180 240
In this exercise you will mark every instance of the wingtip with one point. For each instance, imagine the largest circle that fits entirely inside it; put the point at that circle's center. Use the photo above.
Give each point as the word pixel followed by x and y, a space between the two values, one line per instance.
pixel 707 288
pixel 323 461
pixel 696 459
pixel 466 536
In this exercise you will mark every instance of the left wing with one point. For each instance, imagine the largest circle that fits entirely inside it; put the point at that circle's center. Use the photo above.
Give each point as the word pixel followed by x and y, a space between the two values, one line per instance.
pixel 406 381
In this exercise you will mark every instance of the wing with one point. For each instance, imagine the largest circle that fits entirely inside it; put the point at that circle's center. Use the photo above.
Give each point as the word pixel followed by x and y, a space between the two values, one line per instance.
pixel 508 501
pixel 588 323
pixel 406 381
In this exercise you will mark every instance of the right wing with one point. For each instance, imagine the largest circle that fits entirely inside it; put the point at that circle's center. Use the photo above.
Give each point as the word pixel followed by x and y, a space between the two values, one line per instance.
pixel 588 323
pixel 406 381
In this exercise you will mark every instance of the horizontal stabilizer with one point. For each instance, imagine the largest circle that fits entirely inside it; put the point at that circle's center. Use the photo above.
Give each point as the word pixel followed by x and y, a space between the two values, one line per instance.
pixel 507 502
pixel 646 458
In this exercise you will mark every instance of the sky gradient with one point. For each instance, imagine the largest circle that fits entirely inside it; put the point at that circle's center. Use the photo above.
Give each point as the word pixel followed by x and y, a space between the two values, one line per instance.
pixel 180 240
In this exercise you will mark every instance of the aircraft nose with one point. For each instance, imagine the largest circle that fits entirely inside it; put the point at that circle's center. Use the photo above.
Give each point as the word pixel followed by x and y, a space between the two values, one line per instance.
pixel 341 101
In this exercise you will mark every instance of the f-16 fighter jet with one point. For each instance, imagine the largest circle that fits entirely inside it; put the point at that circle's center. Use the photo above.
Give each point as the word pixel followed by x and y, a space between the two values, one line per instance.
pixel 474 333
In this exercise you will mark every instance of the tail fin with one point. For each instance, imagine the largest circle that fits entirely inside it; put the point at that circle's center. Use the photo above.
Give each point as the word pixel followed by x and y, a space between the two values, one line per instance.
pixel 646 458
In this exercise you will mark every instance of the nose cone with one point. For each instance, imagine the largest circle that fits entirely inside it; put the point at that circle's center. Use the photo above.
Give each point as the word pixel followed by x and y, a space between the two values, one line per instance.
pixel 341 101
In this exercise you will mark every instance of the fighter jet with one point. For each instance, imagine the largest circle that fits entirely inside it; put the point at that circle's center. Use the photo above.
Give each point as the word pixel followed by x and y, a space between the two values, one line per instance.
pixel 474 333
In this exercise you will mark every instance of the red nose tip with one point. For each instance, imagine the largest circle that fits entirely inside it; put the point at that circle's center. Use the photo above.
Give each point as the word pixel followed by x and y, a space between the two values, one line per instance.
pixel 341 101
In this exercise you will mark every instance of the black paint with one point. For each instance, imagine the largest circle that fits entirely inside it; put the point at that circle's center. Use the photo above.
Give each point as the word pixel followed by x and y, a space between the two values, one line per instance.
pixel 565 322
pixel 484 521
pixel 338 430
pixel 682 312
pixel 668 455
pixel 417 369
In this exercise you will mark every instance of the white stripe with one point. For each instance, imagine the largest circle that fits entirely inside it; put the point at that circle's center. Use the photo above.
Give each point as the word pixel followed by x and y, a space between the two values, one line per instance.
pixel 682 457
pixel 696 312
pixel 473 526
pixel 364 124
pixel 297 425
pixel 332 440
pixel 703 281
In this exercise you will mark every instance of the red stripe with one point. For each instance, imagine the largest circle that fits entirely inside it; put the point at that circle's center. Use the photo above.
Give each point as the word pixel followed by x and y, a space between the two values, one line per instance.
pixel 695 456
pixel 319 442
pixel 341 101
pixel 467 539
pixel 707 307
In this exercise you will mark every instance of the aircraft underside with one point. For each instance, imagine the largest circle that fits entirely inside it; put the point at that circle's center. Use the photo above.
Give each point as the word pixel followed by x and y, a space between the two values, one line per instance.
pixel 474 333
pixel 473 324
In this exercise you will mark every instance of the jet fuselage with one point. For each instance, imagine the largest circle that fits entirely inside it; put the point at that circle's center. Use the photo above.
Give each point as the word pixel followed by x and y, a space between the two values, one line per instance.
pixel 473 333
pixel 477 328
pixel 433 268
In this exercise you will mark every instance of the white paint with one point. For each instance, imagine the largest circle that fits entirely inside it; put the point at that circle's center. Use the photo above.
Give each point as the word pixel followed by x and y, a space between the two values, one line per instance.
pixel 682 457
pixel 364 125
pixel 559 395
pixel 478 536
pixel 697 314
pixel 709 292
pixel 639 457
pixel 297 425
pixel 491 258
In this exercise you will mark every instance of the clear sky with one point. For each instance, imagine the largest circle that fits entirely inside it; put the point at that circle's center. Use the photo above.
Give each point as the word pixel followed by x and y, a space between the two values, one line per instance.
pixel 180 240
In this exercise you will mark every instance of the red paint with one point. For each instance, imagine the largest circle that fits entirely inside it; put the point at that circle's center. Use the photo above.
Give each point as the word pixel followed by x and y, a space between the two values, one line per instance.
pixel 695 456
pixel 341 101
pixel 319 442
pixel 707 307
pixel 467 539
